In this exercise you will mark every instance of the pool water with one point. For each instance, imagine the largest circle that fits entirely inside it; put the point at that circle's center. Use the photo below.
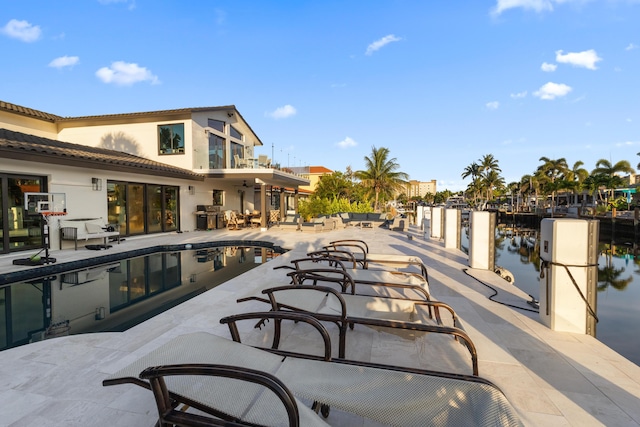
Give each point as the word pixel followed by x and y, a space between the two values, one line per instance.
pixel 118 295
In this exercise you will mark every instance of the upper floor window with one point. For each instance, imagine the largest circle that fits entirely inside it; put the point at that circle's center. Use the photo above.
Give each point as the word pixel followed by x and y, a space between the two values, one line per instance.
pixel 235 133
pixel 171 138
pixel 216 124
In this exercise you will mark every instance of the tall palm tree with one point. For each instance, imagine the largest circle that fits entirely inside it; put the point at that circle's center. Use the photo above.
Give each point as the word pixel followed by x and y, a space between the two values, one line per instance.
pixel 473 171
pixel 575 179
pixel 489 163
pixel 612 171
pixel 492 181
pixel 553 172
pixel 381 175
pixel 491 178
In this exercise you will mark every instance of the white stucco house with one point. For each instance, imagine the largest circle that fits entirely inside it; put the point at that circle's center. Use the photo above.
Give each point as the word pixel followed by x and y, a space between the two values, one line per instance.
pixel 147 172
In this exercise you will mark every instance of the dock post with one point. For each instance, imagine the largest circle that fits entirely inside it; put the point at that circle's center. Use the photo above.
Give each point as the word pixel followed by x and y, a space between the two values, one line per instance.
pixel 482 240
pixel 437 222
pixel 452 226
pixel 568 294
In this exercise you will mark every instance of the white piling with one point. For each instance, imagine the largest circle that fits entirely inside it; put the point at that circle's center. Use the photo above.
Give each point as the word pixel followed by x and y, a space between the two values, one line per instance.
pixel 482 240
pixel 452 226
pixel 569 251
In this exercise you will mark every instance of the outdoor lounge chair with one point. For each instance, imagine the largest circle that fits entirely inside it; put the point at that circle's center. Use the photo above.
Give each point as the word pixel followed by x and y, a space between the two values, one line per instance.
pixel 358 281
pixel 329 305
pixel 360 251
pixel 384 394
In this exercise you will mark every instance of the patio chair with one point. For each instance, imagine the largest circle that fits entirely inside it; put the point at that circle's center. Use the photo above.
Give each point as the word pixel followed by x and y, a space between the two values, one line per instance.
pixel 256 219
pixel 360 251
pixel 239 161
pixel 386 394
pixel 274 217
pixel 329 305
pixel 263 161
pixel 234 222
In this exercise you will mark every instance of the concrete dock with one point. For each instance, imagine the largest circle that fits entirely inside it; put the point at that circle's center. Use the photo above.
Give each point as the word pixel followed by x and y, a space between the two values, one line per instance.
pixel 550 378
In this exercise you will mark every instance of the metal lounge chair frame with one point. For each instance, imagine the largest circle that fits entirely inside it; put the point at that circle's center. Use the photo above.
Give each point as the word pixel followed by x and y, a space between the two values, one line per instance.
pixel 330 269
pixel 387 394
pixel 329 305
pixel 360 250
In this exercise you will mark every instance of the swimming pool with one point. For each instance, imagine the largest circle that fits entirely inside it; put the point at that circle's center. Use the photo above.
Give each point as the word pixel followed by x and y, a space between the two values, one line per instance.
pixel 116 295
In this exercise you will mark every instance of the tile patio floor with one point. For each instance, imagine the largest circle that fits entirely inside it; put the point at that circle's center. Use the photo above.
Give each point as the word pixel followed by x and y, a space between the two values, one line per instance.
pixel 550 378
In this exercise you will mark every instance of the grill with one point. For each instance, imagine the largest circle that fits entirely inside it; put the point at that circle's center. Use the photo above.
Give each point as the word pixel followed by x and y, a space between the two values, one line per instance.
pixel 208 217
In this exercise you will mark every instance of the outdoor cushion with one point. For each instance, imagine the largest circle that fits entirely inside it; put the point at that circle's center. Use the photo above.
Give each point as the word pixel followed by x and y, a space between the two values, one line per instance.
pixel 93 228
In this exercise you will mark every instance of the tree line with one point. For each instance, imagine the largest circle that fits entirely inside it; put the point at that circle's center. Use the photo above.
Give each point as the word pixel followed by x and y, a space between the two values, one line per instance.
pixel 552 177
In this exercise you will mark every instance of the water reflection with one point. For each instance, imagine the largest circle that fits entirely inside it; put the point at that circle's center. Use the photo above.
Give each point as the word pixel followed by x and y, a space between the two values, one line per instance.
pixel 116 296
pixel 618 300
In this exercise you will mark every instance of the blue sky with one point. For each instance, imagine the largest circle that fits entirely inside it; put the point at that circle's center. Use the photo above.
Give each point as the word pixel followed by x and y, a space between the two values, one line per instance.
pixel 439 83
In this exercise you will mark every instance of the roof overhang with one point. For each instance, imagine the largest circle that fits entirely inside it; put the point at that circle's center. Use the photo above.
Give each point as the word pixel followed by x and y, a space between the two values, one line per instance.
pixel 257 176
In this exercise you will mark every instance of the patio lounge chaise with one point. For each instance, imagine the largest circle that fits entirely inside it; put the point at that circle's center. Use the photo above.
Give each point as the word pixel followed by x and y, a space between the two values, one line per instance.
pixel 384 394
pixel 360 251
pixel 346 311
pixel 358 281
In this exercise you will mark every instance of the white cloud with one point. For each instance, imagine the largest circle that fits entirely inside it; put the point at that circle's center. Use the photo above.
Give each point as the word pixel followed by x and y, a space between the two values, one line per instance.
pixel 586 59
pixel 22 30
pixel 282 112
pixel 631 46
pixel 551 90
pixel 64 61
pixel 493 105
pixel 131 3
pixel 519 95
pixel 535 5
pixel 379 44
pixel 346 143
pixel 549 68
pixel 125 74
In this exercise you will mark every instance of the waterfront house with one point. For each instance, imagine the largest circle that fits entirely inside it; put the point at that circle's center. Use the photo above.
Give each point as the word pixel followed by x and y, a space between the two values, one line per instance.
pixel 148 172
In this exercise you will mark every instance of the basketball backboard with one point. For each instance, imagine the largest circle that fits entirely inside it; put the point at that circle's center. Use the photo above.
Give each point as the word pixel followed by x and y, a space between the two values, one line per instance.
pixel 45 203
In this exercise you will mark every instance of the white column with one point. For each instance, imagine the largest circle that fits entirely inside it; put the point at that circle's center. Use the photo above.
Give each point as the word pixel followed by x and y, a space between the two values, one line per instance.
pixel 482 240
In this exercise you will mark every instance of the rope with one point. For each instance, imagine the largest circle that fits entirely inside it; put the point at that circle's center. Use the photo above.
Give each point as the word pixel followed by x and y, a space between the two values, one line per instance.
pixel 495 292
pixel 546 264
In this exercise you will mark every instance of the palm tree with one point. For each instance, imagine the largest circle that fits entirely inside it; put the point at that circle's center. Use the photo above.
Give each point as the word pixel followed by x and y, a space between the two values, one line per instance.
pixel 491 179
pixel 552 172
pixel 473 171
pixel 612 171
pixel 575 179
pixel 381 175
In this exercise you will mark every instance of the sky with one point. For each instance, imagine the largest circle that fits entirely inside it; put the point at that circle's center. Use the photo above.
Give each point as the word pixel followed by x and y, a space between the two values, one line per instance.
pixel 440 83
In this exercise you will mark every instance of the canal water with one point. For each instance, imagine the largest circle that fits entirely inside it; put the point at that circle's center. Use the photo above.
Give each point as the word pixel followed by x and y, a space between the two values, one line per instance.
pixel 618 296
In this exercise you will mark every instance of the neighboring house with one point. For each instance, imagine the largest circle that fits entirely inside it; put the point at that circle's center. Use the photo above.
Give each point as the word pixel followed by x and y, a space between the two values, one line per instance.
pixel 148 172
pixel 313 174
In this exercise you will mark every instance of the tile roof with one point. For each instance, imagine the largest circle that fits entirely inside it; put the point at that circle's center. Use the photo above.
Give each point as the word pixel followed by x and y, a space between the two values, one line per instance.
pixel 17 109
pixel 22 146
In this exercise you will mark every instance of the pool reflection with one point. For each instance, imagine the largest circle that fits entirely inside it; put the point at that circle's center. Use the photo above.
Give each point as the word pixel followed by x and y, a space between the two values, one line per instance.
pixel 116 296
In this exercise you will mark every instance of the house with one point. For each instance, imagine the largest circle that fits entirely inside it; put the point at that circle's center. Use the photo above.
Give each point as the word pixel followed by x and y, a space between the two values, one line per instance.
pixel 313 174
pixel 148 172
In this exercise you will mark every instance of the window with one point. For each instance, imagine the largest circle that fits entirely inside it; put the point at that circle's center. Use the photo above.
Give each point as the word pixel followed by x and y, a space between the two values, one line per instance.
pixel 171 138
pixel 218 199
pixel 216 124
pixel 235 133
pixel 216 152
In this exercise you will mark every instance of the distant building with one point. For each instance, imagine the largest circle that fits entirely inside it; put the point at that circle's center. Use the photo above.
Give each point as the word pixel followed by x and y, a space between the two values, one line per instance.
pixel 313 174
pixel 420 188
